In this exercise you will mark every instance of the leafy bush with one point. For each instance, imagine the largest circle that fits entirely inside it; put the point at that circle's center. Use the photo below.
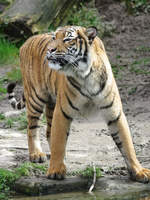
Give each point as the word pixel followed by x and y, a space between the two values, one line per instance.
pixel 84 16
pixel 8 52
pixel 135 6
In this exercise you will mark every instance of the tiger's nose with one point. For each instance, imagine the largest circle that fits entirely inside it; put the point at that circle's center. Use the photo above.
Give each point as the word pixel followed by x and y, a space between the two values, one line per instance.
pixel 51 50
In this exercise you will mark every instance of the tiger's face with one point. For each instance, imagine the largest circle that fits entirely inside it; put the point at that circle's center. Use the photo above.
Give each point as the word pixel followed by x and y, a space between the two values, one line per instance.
pixel 70 49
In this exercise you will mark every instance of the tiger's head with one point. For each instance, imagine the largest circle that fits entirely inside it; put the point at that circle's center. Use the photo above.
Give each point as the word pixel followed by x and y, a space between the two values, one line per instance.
pixel 71 49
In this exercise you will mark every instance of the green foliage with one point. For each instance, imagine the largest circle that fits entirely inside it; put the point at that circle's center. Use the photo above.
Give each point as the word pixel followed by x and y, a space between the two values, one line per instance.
pixel 8 178
pixel 142 49
pixel 15 121
pixel 88 173
pixel 29 168
pixel 3 81
pixel 139 66
pixel 135 6
pixel 86 17
pixel 2 117
pixel 116 69
pixel 19 122
pixel 8 52
pixel 132 90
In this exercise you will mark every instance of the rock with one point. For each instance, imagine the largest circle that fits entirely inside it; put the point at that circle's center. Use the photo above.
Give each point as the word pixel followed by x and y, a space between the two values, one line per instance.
pixel 42 185
pixel 24 18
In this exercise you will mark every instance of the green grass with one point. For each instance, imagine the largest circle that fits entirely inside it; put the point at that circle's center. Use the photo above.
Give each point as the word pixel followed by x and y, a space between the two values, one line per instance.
pixel 88 172
pixel 141 66
pixel 3 81
pixel 132 90
pixel 8 52
pixel 8 178
pixel 116 70
pixel 19 122
pixel 142 49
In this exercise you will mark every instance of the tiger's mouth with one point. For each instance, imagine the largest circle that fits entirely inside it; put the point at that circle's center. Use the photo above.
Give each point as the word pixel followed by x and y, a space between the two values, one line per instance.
pixel 56 63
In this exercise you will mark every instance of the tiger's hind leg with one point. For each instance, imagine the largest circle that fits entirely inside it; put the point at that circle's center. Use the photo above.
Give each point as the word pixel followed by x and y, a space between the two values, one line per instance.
pixel 34 112
pixel 123 140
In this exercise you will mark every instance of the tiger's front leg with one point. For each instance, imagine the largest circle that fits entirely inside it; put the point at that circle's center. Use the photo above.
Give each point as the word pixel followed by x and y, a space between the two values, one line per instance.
pixel 121 135
pixel 59 132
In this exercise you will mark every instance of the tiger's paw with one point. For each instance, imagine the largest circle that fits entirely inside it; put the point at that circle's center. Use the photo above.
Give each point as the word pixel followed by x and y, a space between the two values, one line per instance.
pixel 143 176
pixel 56 173
pixel 38 157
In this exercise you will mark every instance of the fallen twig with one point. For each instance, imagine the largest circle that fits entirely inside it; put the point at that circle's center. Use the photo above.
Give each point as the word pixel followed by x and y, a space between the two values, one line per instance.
pixel 94 180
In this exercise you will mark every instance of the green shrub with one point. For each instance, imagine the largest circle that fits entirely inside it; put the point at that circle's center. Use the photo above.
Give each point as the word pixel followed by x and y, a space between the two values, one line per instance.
pixel 135 6
pixel 84 16
pixel 8 52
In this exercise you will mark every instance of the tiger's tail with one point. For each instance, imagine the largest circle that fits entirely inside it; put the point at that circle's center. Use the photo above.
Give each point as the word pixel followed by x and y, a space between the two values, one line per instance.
pixel 11 96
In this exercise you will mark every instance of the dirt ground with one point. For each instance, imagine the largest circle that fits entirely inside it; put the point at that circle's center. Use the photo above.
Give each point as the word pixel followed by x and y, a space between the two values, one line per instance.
pixel 128 49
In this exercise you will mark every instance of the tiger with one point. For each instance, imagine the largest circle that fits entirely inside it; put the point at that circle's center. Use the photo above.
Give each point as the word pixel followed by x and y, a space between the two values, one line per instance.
pixel 66 73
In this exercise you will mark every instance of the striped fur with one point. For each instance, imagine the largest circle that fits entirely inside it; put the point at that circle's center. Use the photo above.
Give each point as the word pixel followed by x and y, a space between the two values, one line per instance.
pixel 69 74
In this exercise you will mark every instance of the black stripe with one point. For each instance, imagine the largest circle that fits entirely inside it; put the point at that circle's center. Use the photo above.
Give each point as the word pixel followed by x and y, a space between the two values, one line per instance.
pixel 19 106
pixel 77 88
pixel 48 134
pixel 67 39
pixel 11 87
pixel 115 120
pixel 41 53
pixel 36 109
pixel 66 115
pixel 10 97
pixel 80 54
pixel 89 73
pixel 39 98
pixel 13 104
pixel 50 125
pixel 70 103
pixel 109 105
pixel 34 113
pixel 33 127
pixel 102 85
pixel 23 97
pixel 67 134
pixel 34 117
pixel 41 41
pixel 119 145
pixel 48 116
pixel 36 102
pixel 85 52
pixel 114 134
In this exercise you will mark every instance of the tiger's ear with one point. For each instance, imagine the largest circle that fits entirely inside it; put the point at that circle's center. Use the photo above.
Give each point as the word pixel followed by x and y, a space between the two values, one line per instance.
pixel 91 33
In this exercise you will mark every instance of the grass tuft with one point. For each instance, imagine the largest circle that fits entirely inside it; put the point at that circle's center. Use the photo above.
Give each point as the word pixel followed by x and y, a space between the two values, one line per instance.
pixel 8 178
pixel 8 53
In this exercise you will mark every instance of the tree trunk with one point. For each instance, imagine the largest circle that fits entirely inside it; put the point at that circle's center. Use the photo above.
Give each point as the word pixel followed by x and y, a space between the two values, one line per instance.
pixel 27 17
